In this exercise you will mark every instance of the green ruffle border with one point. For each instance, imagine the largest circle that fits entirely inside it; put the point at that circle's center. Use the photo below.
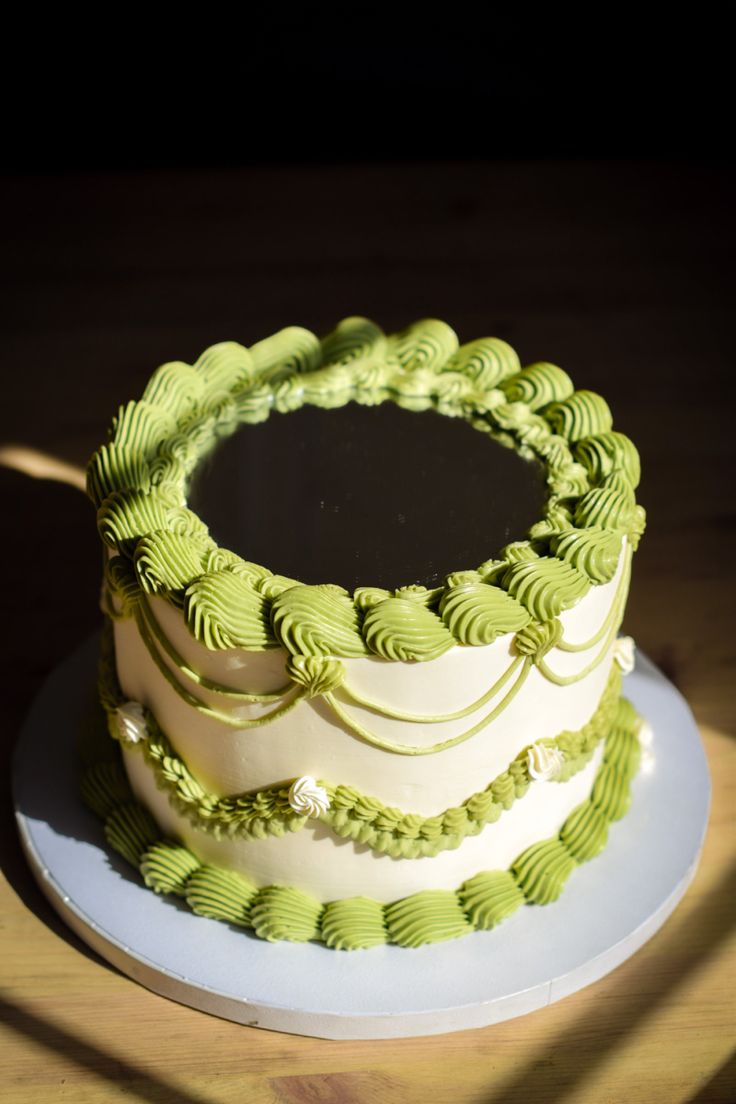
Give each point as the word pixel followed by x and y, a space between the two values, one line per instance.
pixel 138 482
pixel 275 912
pixel 351 814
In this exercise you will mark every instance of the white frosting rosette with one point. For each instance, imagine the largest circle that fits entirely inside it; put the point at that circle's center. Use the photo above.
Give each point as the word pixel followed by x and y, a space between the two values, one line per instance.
pixel 131 720
pixel 307 798
pixel 545 762
pixel 624 651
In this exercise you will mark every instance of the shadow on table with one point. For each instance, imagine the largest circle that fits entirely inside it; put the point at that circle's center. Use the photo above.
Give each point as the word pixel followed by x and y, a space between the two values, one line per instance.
pixel 51 571
pixel 107 1067
pixel 721 1088
pixel 581 1048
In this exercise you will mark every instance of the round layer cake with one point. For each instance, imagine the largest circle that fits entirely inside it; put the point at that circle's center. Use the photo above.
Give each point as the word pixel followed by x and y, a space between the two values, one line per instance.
pixel 361 663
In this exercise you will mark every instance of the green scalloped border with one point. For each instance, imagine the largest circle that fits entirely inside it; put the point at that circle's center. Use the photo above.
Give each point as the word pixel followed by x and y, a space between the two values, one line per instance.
pixel 537 876
pixel 138 483
pixel 351 814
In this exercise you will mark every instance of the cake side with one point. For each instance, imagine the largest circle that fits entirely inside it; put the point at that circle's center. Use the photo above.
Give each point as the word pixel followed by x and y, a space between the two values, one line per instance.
pixel 492 694
pixel 536 876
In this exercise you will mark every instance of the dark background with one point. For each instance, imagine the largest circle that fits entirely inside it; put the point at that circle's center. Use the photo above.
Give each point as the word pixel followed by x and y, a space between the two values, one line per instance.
pixel 564 184
pixel 363 84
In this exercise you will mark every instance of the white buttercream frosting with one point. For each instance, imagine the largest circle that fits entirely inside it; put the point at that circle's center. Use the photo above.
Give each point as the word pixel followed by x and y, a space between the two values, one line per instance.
pixel 647 762
pixel 131 719
pixel 307 798
pixel 228 761
pixel 545 762
pixel 232 762
pixel 624 653
pixel 317 861
pixel 646 738
pixel 330 868
pixel 645 734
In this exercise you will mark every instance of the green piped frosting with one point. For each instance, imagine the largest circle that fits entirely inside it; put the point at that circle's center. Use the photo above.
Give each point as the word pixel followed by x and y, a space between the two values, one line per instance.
pixel 317 620
pixel 490 897
pixel 142 426
pixel 113 467
pixel 609 796
pixel 538 385
pixel 537 876
pixel 177 389
pixel 104 787
pixel 354 339
pixel 351 814
pixel 139 479
pixel 606 453
pixel 225 367
pixel 316 674
pixel 538 638
pixel 126 516
pixel 546 586
pixel 138 482
pixel 224 610
pixel 542 870
pixel 130 830
pixel 404 629
pixel 220 895
pixel 423 345
pixel 583 414
pixel 354 923
pixel 291 350
pixel 165 561
pixel 121 582
pixel 486 361
pixel 279 912
pixel 167 867
pixel 594 552
pixel 605 507
pixel 417 604
pixel 585 832
pixel 622 747
pixel 431 916
pixel 476 613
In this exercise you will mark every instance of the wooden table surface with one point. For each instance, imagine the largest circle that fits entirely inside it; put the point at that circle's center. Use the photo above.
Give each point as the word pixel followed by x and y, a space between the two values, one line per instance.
pixel 621 273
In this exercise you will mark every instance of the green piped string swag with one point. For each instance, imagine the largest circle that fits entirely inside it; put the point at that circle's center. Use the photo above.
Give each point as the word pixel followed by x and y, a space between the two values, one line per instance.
pixel 348 812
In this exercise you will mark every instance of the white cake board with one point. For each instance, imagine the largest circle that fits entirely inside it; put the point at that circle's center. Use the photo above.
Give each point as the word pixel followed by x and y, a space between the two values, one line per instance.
pixel 608 909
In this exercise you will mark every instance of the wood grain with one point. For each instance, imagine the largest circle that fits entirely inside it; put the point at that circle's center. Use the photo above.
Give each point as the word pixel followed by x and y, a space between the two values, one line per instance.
pixel 619 272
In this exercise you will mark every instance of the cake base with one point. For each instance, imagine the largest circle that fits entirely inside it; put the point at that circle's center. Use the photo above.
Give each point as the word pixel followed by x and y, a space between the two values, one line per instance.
pixel 608 909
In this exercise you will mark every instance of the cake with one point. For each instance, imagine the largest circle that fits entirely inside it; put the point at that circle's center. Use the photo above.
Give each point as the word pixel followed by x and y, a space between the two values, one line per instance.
pixel 313 751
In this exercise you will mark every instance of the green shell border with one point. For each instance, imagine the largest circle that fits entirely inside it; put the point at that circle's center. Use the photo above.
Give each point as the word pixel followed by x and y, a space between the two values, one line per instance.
pixel 138 482
pixel 537 876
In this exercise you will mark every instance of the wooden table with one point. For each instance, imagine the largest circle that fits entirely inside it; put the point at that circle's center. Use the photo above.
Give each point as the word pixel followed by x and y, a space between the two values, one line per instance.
pixel 619 272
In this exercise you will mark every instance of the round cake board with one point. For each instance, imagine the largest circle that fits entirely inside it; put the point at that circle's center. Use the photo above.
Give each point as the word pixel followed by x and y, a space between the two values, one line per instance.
pixel 608 909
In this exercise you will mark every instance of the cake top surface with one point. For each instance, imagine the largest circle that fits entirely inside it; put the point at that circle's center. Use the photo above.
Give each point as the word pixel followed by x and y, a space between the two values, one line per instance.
pixel 365 495
pixel 142 478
